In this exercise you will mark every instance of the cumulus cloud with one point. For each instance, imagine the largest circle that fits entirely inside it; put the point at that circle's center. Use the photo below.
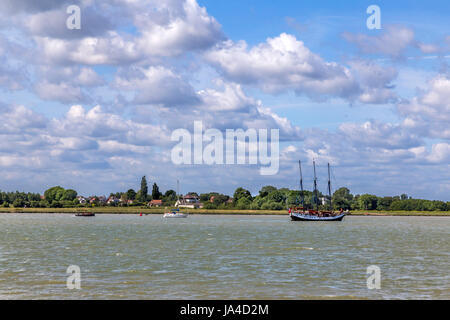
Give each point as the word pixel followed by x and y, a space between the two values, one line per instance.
pixel 80 140
pixel 52 24
pixel 100 125
pixel 429 113
pixel 175 27
pixel 19 119
pixel 13 71
pixel 110 49
pixel 375 81
pixel 30 6
pixel 62 91
pixel 281 63
pixel 392 42
pixel 157 85
pixel 380 135
pixel 285 64
pixel 228 107
pixel 162 29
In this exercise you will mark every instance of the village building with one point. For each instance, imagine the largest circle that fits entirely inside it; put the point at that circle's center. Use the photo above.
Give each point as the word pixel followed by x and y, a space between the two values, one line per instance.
pixel 81 200
pixel 102 199
pixel 155 203
pixel 112 200
pixel 189 201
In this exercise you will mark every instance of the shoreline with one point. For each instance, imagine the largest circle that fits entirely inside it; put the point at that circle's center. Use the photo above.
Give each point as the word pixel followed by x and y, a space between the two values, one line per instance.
pixel 138 210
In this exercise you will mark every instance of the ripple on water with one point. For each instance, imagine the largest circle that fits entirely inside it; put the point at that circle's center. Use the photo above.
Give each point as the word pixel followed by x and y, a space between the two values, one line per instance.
pixel 223 257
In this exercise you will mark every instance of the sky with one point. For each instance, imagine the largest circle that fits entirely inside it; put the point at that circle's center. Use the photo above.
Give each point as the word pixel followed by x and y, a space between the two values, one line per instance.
pixel 94 108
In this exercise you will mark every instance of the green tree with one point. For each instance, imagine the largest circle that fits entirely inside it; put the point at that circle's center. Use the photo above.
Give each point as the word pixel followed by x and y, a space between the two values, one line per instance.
pixel 266 190
pixel 277 196
pixel 241 193
pixel 368 202
pixel 69 195
pixel 342 198
pixel 131 194
pixel 156 195
pixel 257 203
pixel 243 203
pixel 18 203
pixel 144 190
pixel 170 195
pixel 385 203
pixel 54 194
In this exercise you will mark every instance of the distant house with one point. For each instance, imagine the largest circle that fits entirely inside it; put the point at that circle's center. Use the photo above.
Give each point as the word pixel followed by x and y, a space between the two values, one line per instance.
pixel 323 200
pixel 81 200
pixel 92 199
pixel 155 203
pixel 112 200
pixel 130 201
pixel 102 199
pixel 189 201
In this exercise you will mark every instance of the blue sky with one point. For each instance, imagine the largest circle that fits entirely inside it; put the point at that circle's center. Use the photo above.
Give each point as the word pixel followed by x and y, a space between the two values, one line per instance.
pixel 94 109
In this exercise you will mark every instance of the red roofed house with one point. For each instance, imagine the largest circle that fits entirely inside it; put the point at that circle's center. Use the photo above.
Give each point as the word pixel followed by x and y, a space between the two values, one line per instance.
pixel 155 203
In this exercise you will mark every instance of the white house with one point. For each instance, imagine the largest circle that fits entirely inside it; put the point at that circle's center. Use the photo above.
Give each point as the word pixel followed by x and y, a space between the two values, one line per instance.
pixel 189 201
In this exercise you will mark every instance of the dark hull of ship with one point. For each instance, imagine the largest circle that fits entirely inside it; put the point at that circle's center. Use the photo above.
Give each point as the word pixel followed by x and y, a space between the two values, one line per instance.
pixel 307 217
pixel 85 215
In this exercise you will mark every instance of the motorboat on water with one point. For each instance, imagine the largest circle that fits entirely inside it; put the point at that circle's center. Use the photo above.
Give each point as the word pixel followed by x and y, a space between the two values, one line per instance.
pixel 175 214
pixel 302 214
pixel 85 214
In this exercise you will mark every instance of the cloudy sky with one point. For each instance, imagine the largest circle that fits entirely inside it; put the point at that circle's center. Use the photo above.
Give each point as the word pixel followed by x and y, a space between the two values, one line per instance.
pixel 94 109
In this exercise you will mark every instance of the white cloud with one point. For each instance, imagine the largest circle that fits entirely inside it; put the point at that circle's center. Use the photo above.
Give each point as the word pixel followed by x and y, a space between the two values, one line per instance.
pixel 62 91
pixel 429 113
pixel 285 64
pixel 52 24
pixel 19 119
pixel 228 107
pixel 157 85
pixel 375 81
pixel 440 153
pixel 163 29
pixel 176 27
pixel 379 135
pixel 280 64
pixel 392 42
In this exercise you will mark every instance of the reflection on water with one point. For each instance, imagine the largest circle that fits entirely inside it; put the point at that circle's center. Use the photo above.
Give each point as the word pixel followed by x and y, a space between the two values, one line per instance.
pixel 222 257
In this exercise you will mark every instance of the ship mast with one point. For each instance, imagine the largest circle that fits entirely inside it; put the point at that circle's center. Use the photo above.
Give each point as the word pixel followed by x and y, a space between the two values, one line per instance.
pixel 329 187
pixel 301 184
pixel 315 187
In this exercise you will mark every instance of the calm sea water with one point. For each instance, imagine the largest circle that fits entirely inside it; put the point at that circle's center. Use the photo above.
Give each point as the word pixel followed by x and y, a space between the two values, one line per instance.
pixel 222 257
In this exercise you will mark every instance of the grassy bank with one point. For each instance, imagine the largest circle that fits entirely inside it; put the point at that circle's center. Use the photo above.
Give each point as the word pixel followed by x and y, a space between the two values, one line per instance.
pixel 137 210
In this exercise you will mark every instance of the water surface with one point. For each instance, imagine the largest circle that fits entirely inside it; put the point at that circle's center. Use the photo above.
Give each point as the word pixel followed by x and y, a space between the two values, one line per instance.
pixel 222 257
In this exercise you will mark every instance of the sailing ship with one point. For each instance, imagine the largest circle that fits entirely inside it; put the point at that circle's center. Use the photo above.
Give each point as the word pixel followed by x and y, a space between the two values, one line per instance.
pixel 176 212
pixel 303 214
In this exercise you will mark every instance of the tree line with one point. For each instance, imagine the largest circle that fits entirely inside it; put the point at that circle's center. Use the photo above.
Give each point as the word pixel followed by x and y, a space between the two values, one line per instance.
pixel 268 198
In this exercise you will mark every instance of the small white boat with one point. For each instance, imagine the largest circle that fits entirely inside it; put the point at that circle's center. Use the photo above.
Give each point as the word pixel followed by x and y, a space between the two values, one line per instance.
pixel 175 214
